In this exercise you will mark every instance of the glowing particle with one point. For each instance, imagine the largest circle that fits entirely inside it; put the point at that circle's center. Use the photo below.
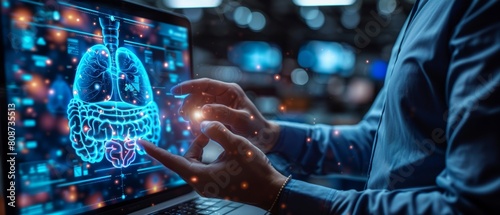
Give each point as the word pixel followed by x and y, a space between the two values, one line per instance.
pixel 336 133
pixel 244 185
pixel 277 77
pixel 197 115
pixel 308 139
pixel 350 147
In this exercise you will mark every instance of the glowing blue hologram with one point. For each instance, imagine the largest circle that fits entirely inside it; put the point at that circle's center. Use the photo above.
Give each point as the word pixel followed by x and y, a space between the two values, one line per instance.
pixel 112 105
pixel 41 41
pixel 73 46
pixel 168 127
pixel 59 96
pixel 172 149
pixel 28 41
pixel 40 61
pixel 56 16
pixel 120 154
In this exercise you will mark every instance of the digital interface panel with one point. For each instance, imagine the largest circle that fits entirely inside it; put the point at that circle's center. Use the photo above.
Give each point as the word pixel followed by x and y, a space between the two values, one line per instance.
pixel 87 82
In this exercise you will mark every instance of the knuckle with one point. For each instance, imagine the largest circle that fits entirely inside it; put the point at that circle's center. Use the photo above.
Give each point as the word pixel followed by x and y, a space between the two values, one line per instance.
pixel 216 126
pixel 237 87
pixel 211 126
pixel 242 117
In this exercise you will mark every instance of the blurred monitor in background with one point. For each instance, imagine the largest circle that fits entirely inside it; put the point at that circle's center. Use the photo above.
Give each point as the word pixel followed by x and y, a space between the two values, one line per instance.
pixel 321 60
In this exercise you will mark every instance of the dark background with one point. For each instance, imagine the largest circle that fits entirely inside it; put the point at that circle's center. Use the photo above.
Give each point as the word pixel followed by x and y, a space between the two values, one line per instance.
pixel 367 28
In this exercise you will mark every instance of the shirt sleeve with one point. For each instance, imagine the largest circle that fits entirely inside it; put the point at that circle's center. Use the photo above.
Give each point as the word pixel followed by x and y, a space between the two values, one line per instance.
pixel 470 183
pixel 347 147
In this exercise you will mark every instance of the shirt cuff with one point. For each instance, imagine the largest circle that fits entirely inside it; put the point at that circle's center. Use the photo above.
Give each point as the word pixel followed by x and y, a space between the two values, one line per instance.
pixel 292 139
pixel 298 197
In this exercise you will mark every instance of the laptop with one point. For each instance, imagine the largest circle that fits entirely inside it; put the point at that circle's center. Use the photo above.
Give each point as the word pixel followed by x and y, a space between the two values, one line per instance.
pixel 81 81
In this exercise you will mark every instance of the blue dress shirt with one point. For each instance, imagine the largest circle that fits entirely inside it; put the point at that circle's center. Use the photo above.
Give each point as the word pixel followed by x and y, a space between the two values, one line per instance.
pixel 430 144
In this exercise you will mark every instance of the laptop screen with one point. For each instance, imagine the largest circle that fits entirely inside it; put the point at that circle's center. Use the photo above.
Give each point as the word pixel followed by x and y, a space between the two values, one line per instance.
pixel 83 81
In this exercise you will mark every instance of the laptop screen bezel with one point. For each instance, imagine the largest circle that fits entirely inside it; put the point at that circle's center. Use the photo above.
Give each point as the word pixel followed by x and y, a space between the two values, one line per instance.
pixel 125 7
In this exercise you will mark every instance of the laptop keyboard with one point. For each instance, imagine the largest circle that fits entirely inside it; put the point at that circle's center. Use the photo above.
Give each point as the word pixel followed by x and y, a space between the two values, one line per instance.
pixel 201 206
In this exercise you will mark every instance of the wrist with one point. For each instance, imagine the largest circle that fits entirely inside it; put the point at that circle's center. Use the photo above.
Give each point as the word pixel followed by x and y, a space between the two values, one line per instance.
pixel 274 133
pixel 275 205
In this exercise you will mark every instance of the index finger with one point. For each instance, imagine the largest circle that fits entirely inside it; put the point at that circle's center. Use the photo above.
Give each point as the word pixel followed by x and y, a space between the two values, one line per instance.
pixel 176 163
pixel 207 85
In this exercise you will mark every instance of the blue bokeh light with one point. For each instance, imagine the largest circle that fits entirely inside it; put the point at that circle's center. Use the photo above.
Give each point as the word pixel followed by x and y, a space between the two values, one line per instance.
pixel 378 70
pixel 327 58
pixel 255 56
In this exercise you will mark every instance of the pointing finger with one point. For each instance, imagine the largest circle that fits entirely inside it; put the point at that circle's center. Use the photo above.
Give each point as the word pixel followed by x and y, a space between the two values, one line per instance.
pixel 225 114
pixel 176 163
pixel 200 85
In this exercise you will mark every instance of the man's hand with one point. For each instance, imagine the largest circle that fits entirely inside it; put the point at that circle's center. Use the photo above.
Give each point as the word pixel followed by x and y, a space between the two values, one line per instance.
pixel 227 103
pixel 241 173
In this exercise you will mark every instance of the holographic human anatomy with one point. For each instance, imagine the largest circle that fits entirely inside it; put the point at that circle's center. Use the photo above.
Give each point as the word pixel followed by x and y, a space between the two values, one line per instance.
pixel 113 102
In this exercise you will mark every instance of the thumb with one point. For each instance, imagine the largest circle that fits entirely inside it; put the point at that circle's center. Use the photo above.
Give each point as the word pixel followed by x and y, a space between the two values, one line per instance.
pixel 219 133
pixel 195 151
